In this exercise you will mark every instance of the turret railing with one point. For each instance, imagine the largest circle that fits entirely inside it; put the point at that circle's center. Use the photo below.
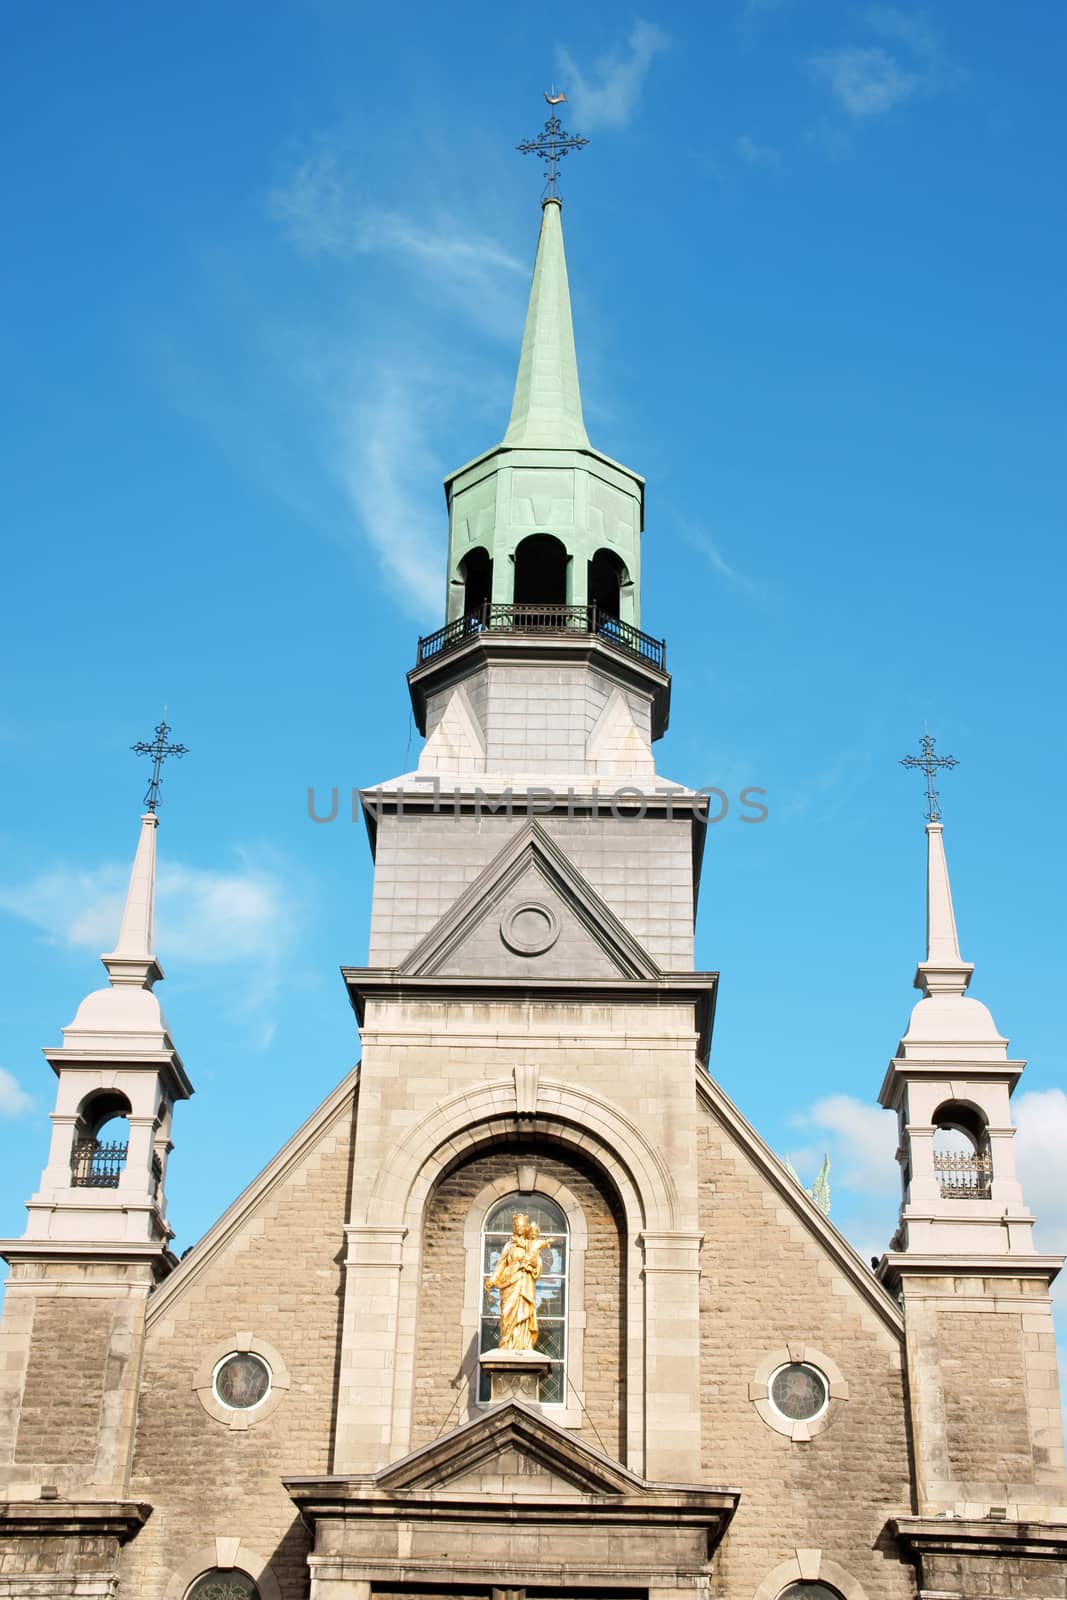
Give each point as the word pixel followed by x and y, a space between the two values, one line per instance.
pixel 545 619
pixel 963 1177
pixel 96 1166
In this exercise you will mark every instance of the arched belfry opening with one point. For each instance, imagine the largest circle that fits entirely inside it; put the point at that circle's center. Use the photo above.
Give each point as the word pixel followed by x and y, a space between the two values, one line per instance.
pixel 476 570
pixel 962 1161
pixel 541 571
pixel 607 574
pixel 101 1141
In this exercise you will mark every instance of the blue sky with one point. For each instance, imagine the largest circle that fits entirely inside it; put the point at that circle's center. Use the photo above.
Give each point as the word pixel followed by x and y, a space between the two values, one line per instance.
pixel 265 280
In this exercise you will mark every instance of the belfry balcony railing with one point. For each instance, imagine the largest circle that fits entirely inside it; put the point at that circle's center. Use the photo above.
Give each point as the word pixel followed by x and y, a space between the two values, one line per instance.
pixel 963 1177
pixel 96 1166
pixel 545 619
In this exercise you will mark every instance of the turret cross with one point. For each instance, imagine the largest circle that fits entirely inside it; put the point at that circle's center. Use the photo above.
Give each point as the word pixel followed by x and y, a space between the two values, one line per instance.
pixel 930 763
pixel 159 750
pixel 552 144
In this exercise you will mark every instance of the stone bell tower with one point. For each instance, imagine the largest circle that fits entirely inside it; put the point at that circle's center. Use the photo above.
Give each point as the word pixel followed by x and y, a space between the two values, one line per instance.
pixel 531 984
pixel 96 1243
pixel 980 1343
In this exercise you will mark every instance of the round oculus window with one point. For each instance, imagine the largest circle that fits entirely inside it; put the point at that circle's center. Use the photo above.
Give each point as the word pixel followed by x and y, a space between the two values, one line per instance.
pixel 799 1392
pixel 241 1381
pixel 529 929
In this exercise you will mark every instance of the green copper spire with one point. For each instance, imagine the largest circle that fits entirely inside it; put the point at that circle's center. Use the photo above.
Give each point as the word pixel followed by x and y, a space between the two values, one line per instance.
pixel 547 409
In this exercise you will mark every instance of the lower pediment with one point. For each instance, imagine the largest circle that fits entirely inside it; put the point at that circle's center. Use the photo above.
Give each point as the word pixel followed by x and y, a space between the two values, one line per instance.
pixel 509 1498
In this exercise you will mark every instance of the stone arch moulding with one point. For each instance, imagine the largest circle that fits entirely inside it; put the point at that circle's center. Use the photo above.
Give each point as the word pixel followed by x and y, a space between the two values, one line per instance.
pixel 808 1566
pixel 563 1114
pixel 227 1553
pixel 486 1116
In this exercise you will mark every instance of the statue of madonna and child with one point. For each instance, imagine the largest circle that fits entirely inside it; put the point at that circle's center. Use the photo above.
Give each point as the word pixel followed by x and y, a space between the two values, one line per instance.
pixel 515 1275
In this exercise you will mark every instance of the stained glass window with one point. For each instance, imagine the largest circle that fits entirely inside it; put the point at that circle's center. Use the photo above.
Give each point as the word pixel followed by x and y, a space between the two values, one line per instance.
pixel 223 1584
pixel 551 1288
pixel 809 1590
pixel 799 1391
pixel 242 1380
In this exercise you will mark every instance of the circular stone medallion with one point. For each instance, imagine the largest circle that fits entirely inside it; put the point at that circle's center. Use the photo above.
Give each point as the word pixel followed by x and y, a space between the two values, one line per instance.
pixel 530 928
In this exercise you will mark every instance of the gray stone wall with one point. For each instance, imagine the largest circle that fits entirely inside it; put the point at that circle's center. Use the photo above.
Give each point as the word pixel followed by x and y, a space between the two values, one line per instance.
pixel 278 1277
pixel 767 1284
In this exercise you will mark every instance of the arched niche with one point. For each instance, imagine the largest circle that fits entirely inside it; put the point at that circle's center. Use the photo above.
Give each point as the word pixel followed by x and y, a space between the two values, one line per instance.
pixel 451 1304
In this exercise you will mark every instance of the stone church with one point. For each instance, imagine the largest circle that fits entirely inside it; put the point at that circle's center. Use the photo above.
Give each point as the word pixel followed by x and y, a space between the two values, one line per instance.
pixel 717 1397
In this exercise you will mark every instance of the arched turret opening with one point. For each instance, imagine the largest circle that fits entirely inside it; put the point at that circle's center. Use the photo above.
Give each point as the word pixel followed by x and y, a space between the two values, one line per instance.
pixel 962 1160
pixel 607 574
pixel 541 571
pixel 476 571
pixel 101 1140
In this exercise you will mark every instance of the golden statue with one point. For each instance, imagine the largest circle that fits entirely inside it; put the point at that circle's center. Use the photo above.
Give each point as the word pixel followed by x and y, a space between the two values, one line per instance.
pixel 515 1275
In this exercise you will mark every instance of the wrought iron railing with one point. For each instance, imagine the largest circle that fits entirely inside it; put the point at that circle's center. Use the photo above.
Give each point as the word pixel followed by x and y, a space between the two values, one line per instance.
pixel 533 618
pixel 963 1177
pixel 96 1166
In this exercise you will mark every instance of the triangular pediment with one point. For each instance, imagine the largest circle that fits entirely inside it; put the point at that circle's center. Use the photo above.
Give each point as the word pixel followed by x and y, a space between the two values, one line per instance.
pixel 515 1443
pixel 530 913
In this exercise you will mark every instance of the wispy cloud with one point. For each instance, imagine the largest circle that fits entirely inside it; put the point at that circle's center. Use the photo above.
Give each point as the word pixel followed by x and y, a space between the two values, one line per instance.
pixel 608 95
pixel 869 80
pixel 205 919
pixel 382 457
pixel 699 539
pixel 865 81
pixel 754 154
pixel 397 383
pixel 861 1140
pixel 321 213
pixel 14 1100
pixel 1041 1119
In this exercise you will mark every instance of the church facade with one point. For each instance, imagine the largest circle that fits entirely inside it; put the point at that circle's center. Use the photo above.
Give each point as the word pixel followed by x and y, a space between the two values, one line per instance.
pixel 527 1308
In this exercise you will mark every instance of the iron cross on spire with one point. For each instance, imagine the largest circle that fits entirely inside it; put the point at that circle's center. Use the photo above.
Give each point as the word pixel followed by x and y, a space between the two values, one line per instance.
pixel 552 143
pixel 930 763
pixel 159 750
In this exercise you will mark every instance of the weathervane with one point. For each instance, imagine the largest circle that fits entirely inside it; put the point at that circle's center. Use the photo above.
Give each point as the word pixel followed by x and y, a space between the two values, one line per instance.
pixel 931 764
pixel 159 750
pixel 552 143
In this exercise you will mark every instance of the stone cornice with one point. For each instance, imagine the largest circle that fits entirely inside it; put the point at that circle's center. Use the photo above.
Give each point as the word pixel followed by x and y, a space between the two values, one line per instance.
pixel 897 1265
pixel 119 1519
pixel 542 648
pixel 1041 1541
pixel 949 1066
pixel 388 983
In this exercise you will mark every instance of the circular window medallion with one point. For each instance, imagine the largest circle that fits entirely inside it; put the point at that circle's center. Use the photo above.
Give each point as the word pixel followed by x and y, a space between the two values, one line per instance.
pixel 241 1381
pixel 799 1392
pixel 529 929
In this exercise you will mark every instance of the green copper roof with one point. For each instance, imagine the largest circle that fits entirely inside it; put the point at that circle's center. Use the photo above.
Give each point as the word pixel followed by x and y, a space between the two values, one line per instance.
pixel 547 408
